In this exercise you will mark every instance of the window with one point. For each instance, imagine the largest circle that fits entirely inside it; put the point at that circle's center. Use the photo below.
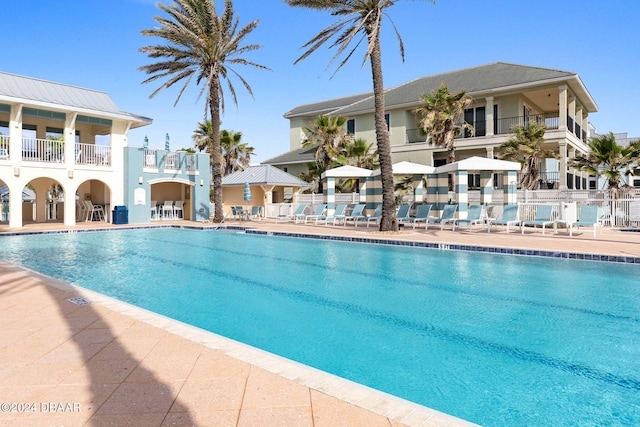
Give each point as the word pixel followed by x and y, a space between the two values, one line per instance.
pixel 351 127
pixel 388 120
pixel 473 181
pixel 476 117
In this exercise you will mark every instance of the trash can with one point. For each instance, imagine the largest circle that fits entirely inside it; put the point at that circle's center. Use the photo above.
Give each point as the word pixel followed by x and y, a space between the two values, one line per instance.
pixel 120 215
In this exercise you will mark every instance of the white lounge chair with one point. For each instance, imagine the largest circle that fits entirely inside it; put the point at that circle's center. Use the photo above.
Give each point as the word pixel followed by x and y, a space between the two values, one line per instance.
pixel 447 216
pixel 509 218
pixel 542 217
pixel 588 218
pixel 377 215
pixel 422 215
pixel 356 214
pixel 319 212
pixel 298 215
pixel 337 215
pixel 474 216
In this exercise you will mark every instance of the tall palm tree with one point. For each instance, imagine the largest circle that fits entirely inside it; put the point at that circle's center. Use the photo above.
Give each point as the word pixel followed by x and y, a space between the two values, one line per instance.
pixel 328 135
pixel 200 45
pixel 236 155
pixel 359 20
pixel 357 153
pixel 608 158
pixel 438 116
pixel 525 146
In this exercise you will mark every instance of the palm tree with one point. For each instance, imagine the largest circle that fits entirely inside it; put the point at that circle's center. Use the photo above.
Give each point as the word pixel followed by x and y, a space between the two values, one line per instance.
pixel 525 146
pixel 235 154
pixel 328 134
pixel 609 159
pixel 201 46
pixel 357 153
pixel 359 20
pixel 437 117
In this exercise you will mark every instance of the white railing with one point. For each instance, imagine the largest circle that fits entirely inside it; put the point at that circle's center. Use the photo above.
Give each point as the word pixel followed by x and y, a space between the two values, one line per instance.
pixel 192 162
pixel 42 150
pixel 150 158
pixel 4 147
pixel 172 161
pixel 92 154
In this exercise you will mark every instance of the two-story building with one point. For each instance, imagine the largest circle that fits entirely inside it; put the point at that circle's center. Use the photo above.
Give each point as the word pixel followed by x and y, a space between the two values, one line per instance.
pixel 68 146
pixel 503 95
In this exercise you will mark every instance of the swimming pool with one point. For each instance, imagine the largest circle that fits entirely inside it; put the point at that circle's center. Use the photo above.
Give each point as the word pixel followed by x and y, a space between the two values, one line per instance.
pixel 494 339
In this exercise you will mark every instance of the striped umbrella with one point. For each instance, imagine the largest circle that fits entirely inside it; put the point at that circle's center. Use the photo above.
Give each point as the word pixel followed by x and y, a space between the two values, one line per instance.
pixel 146 142
pixel 247 192
pixel 166 142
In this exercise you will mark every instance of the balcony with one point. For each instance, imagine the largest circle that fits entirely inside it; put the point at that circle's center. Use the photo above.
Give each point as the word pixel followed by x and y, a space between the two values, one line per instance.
pixel 52 151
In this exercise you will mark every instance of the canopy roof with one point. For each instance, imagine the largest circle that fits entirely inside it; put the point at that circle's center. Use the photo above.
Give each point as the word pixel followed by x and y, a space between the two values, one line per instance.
pixel 408 168
pixel 479 164
pixel 262 175
pixel 347 172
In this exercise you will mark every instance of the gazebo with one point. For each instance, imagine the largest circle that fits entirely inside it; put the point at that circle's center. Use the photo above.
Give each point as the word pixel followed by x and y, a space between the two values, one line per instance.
pixel 329 178
pixel 268 185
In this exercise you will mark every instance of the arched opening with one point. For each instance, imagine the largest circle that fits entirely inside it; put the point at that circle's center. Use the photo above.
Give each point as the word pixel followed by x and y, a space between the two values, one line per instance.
pixel 93 201
pixel 170 200
pixel 43 200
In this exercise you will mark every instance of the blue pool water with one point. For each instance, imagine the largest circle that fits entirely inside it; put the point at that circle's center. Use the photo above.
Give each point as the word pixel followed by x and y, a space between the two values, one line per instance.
pixel 499 340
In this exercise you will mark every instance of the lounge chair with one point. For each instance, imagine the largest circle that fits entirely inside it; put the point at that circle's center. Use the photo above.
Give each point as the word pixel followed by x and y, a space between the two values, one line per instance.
pixel 356 214
pixel 474 216
pixel 448 215
pixel 509 218
pixel 298 215
pixel 403 213
pixel 542 217
pixel 319 213
pixel 167 209
pixel 337 215
pixel 588 218
pixel 178 211
pixel 421 216
pixel 377 215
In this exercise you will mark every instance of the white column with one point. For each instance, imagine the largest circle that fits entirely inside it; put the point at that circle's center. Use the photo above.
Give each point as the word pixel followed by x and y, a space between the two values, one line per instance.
pixel 562 107
pixel 15 136
pixel 489 116
pixel 562 167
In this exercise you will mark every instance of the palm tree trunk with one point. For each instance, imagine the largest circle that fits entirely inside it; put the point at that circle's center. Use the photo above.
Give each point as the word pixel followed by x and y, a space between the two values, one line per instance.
pixel 216 166
pixel 388 221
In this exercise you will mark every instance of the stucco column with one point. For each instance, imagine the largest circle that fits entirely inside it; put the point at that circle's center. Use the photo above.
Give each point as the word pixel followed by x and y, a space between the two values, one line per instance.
pixel 329 193
pixel 15 205
pixel 70 141
pixel 562 107
pixel 417 189
pixel 579 121
pixel 510 185
pixel 489 116
pixel 572 112
pixel 486 187
pixel 15 136
pixel 562 166
pixel 70 202
pixel 374 192
pixel 490 153
pixel 461 186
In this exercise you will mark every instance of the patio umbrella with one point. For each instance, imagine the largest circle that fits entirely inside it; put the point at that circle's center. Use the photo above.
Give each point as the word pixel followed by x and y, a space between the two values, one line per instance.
pixel 166 142
pixel 247 194
pixel 146 142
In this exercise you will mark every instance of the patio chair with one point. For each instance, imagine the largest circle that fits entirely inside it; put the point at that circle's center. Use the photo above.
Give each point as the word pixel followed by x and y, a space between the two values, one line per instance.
pixel 403 213
pixel 356 214
pixel 94 211
pixel 474 216
pixel 154 210
pixel 256 212
pixel 335 216
pixel 81 210
pixel 422 215
pixel 377 215
pixel 298 215
pixel 542 217
pixel 588 218
pixel 167 209
pixel 238 213
pixel 319 212
pixel 448 215
pixel 509 218
pixel 178 212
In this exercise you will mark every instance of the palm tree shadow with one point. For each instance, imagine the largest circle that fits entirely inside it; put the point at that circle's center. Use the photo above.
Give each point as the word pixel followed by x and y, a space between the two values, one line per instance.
pixel 122 390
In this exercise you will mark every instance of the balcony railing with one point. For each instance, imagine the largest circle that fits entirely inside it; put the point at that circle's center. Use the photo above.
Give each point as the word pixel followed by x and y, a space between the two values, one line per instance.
pixel 150 158
pixel 92 154
pixel 4 147
pixel 172 161
pixel 192 162
pixel 42 150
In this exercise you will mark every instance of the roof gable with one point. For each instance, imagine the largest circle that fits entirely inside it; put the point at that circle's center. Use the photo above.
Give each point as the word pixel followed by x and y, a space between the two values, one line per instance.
pixel 262 174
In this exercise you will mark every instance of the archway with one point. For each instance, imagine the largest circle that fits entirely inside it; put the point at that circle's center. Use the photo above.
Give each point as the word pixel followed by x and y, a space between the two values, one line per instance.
pixel 98 193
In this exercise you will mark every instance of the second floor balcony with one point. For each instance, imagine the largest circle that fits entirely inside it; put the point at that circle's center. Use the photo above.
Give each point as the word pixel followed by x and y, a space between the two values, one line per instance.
pixel 504 126
pixel 53 151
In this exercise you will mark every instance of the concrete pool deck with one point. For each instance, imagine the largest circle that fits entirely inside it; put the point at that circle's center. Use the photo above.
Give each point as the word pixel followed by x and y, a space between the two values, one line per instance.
pixel 108 363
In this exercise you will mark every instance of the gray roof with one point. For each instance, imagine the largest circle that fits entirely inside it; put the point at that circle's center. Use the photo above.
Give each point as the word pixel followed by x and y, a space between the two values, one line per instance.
pixel 14 87
pixel 474 80
pixel 301 155
pixel 262 175
pixel 325 107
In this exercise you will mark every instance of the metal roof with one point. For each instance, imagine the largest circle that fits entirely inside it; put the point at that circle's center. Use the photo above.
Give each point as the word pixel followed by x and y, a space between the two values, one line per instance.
pixel 301 155
pixel 476 163
pixel 262 175
pixel 474 80
pixel 20 89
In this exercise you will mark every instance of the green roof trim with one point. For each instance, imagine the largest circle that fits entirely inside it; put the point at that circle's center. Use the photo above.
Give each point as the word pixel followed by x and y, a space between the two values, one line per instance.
pixel 93 120
pixel 45 114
